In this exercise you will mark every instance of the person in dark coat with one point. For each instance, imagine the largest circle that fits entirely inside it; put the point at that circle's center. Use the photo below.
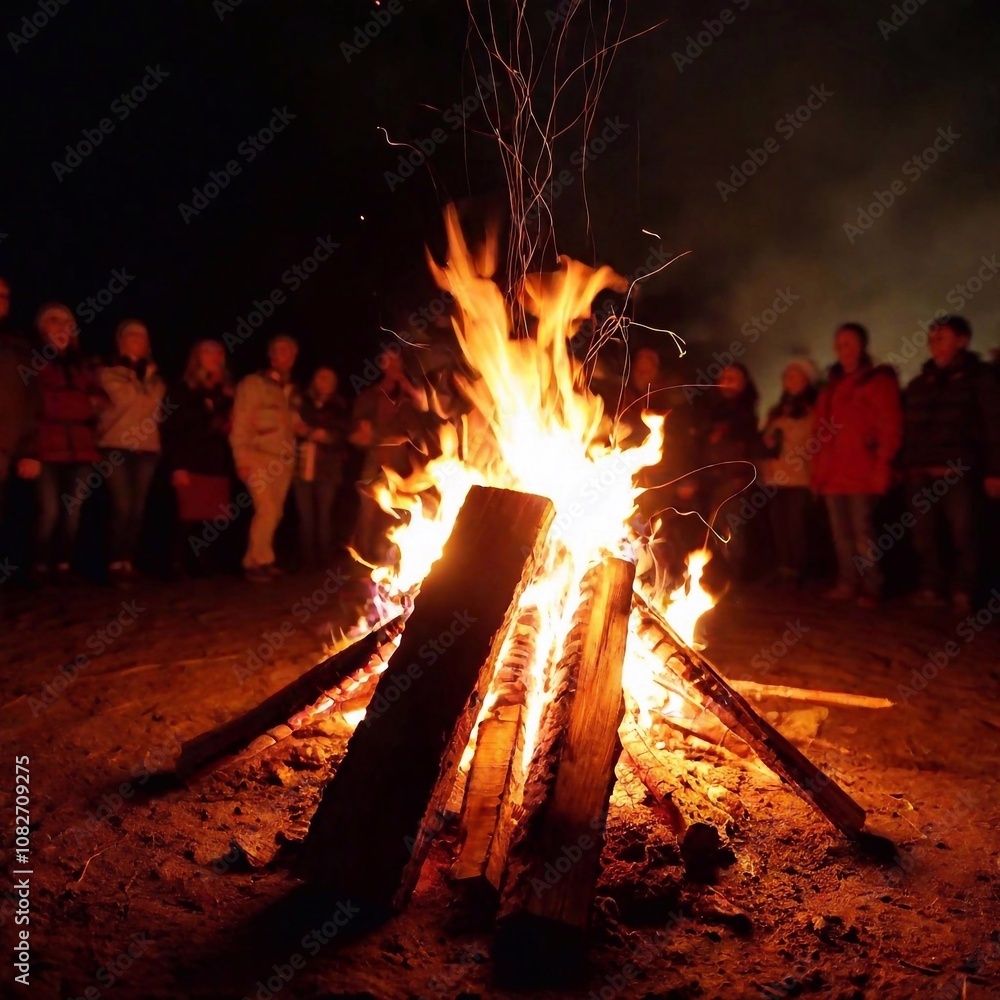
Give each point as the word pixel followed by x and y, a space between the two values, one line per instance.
pixel 322 429
pixel 732 444
pixel 20 406
pixel 20 402
pixel 950 451
pixel 72 398
pixel 196 451
pixel 858 430
pixel 387 417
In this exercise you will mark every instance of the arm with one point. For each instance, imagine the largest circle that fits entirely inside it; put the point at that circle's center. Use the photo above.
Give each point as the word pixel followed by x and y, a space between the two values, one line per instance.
pixel 241 436
pixel 889 427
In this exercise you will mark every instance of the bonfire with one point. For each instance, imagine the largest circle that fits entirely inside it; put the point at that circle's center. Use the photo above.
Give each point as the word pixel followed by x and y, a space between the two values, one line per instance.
pixel 513 675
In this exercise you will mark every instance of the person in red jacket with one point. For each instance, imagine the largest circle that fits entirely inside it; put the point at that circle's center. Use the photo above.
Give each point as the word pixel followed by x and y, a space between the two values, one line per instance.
pixel 71 399
pixel 858 432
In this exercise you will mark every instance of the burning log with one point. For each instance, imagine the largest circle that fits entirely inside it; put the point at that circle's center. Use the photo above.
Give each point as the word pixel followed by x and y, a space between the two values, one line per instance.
pixel 495 784
pixel 807 694
pixel 675 784
pixel 555 854
pixel 220 746
pixel 378 815
pixel 733 710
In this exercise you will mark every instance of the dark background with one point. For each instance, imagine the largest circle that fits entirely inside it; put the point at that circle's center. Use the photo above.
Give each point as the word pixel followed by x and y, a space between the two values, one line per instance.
pixel 685 130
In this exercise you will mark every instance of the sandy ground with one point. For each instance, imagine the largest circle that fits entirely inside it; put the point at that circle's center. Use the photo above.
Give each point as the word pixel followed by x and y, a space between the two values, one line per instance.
pixel 136 890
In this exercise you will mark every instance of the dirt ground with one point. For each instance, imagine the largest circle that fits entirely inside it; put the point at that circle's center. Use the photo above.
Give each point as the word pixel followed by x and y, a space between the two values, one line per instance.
pixel 137 891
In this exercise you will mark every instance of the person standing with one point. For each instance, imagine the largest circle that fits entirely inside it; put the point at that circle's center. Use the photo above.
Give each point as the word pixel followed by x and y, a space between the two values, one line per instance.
pixel 951 450
pixel 787 433
pixel 128 435
pixel 322 433
pixel 859 428
pixel 731 447
pixel 386 420
pixel 197 454
pixel 19 403
pixel 263 443
pixel 72 397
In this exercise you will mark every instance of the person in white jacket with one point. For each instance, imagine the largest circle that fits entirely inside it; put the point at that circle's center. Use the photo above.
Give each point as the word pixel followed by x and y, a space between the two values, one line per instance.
pixel 128 436
pixel 263 443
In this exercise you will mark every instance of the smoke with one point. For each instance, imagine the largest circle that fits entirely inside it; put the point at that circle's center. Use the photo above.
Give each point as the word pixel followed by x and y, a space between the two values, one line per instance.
pixel 839 153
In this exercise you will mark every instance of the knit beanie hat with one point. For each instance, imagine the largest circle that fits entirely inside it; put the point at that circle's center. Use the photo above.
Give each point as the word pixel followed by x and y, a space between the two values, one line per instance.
pixel 805 366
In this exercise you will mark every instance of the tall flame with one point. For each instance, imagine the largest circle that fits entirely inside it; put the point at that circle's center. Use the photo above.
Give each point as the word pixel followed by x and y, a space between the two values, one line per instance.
pixel 540 430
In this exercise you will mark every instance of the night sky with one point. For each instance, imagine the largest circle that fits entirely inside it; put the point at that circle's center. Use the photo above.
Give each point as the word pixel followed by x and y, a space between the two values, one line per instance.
pixel 679 116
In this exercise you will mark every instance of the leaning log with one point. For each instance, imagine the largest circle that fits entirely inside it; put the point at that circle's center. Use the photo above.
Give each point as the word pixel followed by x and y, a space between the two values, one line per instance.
pixel 555 854
pixel 219 746
pixel 378 815
pixel 734 711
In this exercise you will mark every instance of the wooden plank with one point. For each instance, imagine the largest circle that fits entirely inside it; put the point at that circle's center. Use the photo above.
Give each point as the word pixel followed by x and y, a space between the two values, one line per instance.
pixel 497 747
pixel 554 859
pixel 495 787
pixel 377 817
pixel 734 711
pixel 218 746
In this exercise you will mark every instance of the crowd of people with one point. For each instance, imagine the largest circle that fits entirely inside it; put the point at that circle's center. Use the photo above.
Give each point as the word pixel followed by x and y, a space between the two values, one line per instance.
pixel 918 465
pixel 72 427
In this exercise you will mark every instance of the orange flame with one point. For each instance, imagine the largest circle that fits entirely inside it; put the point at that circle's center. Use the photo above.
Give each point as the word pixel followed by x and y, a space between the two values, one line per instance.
pixel 544 432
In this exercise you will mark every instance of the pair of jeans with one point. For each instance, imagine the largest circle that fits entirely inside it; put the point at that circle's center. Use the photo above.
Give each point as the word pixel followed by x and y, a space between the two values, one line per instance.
pixel 315 501
pixel 61 488
pixel 789 527
pixel 128 487
pixel 932 500
pixel 851 516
